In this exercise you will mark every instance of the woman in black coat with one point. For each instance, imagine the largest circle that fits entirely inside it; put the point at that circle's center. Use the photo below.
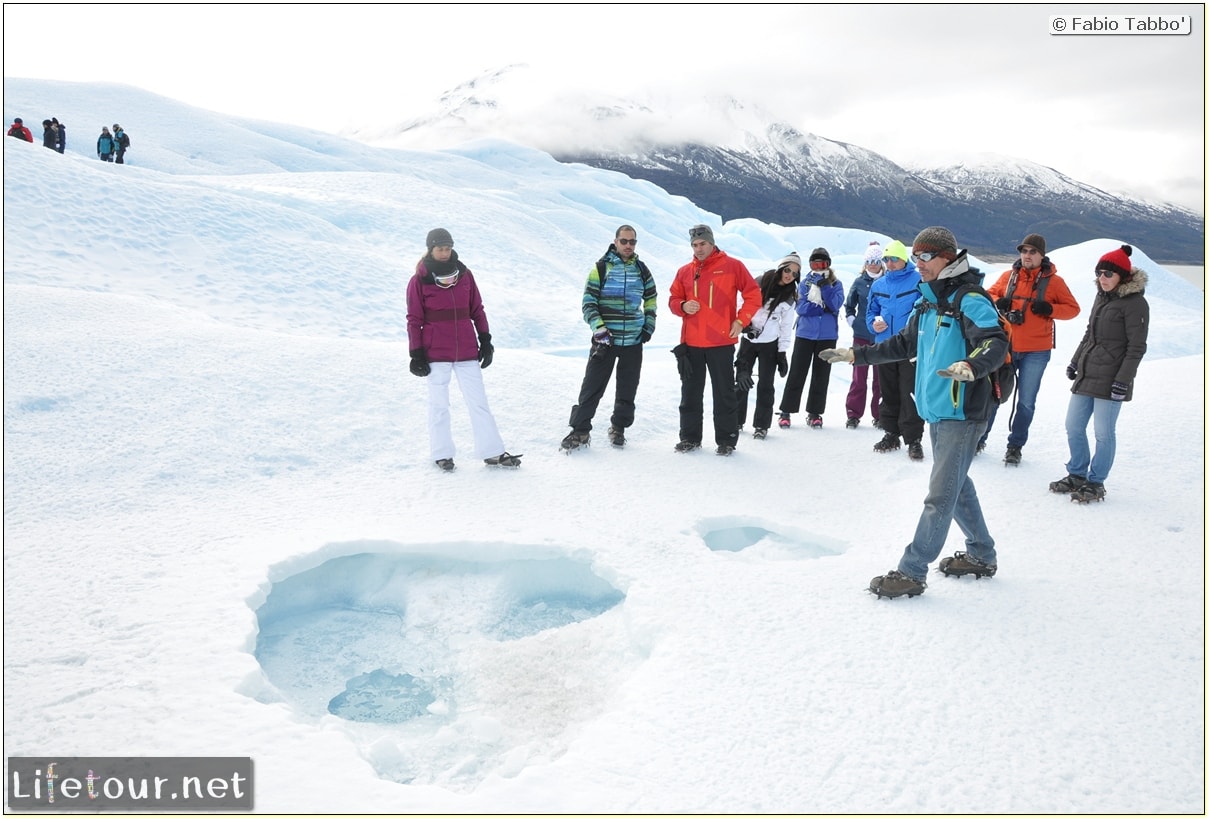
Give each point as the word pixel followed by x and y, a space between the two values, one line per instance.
pixel 1103 369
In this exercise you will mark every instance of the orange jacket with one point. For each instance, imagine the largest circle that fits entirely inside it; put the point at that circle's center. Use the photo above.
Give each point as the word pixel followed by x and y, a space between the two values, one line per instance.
pixel 717 284
pixel 1037 332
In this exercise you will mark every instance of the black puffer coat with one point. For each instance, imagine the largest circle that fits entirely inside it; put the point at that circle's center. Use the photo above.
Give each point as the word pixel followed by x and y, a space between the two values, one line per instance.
pixel 1115 340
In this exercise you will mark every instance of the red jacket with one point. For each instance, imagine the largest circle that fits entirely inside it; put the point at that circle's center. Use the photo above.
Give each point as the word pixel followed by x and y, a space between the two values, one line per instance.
pixel 717 284
pixel 1037 332
pixel 21 132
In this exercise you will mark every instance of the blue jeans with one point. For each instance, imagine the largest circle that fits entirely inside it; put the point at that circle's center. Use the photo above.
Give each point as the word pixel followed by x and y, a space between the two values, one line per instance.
pixel 1105 411
pixel 951 497
pixel 1029 368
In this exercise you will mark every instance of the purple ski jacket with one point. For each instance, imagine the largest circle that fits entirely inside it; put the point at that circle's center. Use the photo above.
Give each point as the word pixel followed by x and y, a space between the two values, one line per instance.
pixel 445 321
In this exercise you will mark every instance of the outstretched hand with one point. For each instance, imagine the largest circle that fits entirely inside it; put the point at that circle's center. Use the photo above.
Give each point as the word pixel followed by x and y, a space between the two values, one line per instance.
pixel 837 355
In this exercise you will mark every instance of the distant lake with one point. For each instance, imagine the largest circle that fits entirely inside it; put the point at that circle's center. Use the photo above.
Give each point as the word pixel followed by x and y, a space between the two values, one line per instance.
pixel 1191 273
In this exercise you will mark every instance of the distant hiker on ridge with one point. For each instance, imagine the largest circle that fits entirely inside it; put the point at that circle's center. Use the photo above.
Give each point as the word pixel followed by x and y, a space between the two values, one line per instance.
pixel 105 145
pixel 19 131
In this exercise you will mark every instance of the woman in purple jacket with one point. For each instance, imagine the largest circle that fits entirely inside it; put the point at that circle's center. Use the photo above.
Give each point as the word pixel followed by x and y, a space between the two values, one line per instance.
pixel 447 333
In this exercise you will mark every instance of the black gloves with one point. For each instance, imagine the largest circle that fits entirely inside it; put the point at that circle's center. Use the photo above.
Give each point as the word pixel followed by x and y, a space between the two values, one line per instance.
pixel 1119 390
pixel 743 380
pixel 419 362
pixel 644 337
pixel 1042 308
pixel 1071 372
pixel 486 351
pixel 782 365
pixel 1003 304
pixel 683 365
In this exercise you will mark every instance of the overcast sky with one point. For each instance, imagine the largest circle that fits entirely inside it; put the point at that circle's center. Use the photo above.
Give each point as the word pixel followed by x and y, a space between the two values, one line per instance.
pixel 913 82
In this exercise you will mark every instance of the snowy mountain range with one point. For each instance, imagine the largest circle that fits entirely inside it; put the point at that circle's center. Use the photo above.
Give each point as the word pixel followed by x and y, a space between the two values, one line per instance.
pixel 739 161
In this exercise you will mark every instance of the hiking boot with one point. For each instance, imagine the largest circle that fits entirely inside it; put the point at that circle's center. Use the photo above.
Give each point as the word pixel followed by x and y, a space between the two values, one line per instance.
pixel 853 423
pixel 877 423
pixel 688 446
pixel 503 459
pixel 724 449
pixel 915 450
pixel 617 436
pixel 982 445
pixel 888 443
pixel 446 464
pixel 961 564
pixel 1012 456
pixel 575 439
pixel 815 421
pixel 1070 483
pixel 1088 492
pixel 783 421
pixel 760 434
pixel 896 584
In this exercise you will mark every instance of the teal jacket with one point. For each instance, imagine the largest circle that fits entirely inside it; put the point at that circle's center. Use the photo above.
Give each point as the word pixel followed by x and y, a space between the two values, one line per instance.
pixel 624 302
pixel 936 340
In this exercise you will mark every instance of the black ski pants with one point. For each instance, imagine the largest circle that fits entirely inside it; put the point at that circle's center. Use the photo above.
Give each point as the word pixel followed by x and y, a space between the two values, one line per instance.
pixel 805 357
pixel 765 354
pixel 899 416
pixel 719 363
pixel 596 381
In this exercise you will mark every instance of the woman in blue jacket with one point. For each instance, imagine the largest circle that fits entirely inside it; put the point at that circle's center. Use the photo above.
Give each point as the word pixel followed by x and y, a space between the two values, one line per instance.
pixel 820 299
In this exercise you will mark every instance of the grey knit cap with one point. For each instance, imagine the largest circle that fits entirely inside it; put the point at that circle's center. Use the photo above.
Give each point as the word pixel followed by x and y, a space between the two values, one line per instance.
pixel 938 240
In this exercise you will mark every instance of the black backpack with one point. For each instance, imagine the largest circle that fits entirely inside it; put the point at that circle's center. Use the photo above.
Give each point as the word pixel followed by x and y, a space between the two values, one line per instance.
pixel 124 140
pixel 1003 377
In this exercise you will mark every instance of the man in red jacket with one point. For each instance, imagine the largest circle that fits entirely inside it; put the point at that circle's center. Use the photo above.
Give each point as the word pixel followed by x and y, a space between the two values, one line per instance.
pixel 705 294
pixel 20 131
pixel 1031 296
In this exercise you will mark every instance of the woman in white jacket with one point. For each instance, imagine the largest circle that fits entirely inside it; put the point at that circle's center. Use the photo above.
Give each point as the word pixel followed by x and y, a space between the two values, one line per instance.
pixel 767 340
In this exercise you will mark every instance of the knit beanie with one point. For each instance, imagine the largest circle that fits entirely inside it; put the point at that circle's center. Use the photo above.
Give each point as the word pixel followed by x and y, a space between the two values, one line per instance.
pixel 438 237
pixel 792 258
pixel 938 240
pixel 701 232
pixel 896 250
pixel 820 253
pixel 873 254
pixel 1118 262
pixel 1033 240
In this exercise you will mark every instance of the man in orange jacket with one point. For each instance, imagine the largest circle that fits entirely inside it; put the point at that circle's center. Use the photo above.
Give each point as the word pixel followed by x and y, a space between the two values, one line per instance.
pixel 1031 296
pixel 705 294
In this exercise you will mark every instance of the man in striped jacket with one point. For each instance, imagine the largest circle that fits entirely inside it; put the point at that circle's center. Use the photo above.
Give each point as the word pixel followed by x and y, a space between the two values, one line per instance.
pixel 619 304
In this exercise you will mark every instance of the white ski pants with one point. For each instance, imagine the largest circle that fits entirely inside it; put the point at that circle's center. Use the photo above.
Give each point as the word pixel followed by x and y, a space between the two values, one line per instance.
pixel 487 441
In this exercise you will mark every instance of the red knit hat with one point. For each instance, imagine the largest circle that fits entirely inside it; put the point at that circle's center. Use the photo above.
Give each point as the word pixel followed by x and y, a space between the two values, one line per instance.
pixel 1117 261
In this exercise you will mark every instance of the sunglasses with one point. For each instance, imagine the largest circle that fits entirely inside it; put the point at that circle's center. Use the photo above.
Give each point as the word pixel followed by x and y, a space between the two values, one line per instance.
pixel 890 259
pixel 819 264
pixel 1107 274
pixel 924 257
pixel 698 233
pixel 627 241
